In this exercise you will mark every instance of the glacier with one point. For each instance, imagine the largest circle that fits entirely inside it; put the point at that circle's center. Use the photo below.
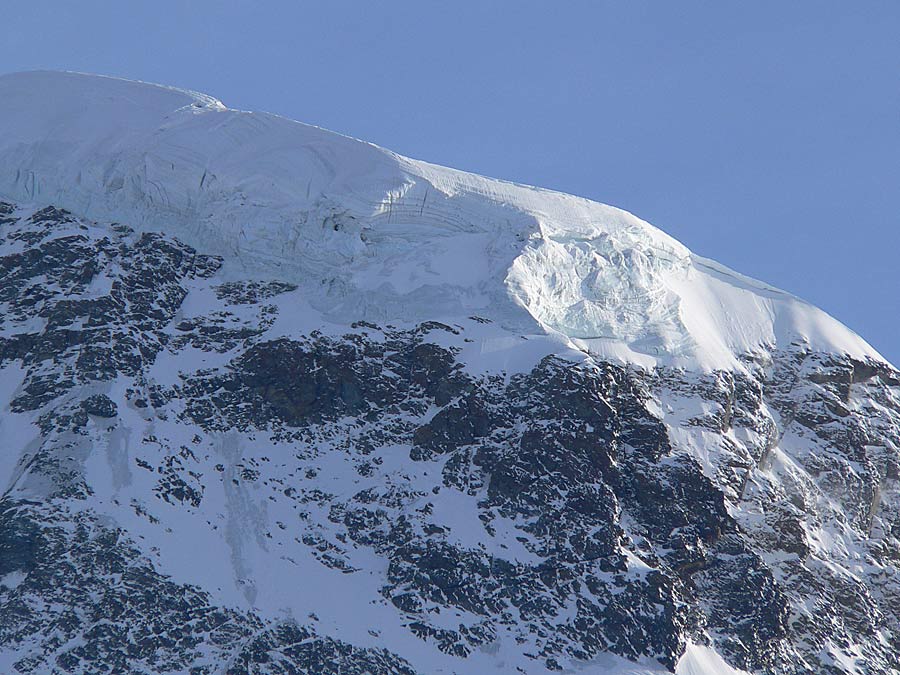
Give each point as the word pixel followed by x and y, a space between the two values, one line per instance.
pixel 371 234
pixel 275 400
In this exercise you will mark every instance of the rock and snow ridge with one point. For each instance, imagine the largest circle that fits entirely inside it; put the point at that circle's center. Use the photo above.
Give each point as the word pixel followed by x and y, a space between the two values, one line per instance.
pixel 411 421
pixel 372 235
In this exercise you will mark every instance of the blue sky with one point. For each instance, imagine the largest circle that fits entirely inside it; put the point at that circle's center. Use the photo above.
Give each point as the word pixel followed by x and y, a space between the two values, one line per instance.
pixel 765 135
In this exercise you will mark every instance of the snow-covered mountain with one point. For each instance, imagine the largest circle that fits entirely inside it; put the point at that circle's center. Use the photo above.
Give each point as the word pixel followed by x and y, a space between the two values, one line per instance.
pixel 275 400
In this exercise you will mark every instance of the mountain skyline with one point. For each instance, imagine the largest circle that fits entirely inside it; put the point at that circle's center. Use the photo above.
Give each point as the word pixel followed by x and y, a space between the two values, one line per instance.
pixel 276 400
pixel 749 134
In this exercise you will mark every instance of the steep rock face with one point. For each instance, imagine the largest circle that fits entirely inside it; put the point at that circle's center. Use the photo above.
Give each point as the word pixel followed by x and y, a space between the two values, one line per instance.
pixel 203 475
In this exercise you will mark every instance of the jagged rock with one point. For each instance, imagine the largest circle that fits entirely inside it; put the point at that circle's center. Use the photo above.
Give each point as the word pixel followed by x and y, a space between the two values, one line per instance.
pixel 100 405
pixel 565 510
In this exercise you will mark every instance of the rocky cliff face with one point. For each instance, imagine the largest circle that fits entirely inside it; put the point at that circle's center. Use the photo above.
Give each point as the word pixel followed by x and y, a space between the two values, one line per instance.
pixel 200 478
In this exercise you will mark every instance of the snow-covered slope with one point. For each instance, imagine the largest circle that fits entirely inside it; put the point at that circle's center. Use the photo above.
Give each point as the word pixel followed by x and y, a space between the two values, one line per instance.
pixel 278 401
pixel 370 234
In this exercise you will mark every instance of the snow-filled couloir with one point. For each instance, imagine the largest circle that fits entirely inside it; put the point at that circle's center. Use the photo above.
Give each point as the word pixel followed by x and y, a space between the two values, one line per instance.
pixel 371 234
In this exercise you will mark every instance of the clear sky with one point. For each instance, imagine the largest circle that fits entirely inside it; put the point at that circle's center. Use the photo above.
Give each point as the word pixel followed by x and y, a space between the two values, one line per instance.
pixel 763 134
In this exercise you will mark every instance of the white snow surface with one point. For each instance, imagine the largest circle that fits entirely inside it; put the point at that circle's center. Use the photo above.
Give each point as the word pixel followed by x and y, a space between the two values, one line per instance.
pixel 369 234
pixel 696 660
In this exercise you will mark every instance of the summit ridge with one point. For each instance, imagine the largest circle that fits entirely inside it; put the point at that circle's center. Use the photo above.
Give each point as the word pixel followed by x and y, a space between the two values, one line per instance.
pixel 371 234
